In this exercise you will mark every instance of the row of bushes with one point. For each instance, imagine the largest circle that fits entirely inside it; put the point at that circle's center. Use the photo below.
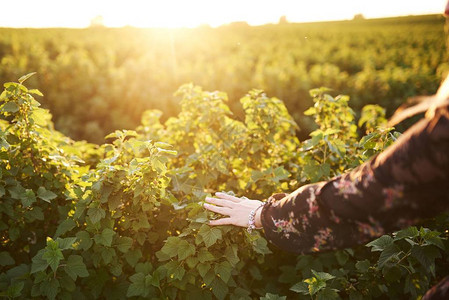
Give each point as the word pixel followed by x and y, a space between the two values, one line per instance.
pixel 375 61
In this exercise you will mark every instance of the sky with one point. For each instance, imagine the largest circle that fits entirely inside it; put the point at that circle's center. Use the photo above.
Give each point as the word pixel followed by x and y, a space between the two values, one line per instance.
pixel 192 13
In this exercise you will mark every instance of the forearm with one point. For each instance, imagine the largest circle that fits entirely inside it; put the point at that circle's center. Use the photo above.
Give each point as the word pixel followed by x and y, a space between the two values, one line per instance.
pixel 406 182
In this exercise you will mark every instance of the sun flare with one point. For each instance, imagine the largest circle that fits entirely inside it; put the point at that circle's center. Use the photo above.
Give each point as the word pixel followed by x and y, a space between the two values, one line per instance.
pixel 149 14
pixel 192 13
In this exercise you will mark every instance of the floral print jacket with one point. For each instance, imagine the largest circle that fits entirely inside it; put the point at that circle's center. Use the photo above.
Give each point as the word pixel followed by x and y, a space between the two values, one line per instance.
pixel 407 182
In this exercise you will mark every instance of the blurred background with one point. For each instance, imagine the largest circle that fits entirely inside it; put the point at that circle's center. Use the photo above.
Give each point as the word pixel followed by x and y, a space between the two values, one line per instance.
pixel 100 64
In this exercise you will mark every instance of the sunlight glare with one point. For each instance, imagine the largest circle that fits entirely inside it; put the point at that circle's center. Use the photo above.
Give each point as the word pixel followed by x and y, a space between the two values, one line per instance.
pixel 150 14
pixel 192 13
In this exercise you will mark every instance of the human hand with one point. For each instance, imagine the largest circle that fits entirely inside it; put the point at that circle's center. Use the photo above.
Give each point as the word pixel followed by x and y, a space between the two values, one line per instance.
pixel 238 210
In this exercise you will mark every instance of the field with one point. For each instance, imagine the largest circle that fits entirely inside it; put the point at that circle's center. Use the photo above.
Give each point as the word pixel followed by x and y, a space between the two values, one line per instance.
pixel 97 80
pixel 104 199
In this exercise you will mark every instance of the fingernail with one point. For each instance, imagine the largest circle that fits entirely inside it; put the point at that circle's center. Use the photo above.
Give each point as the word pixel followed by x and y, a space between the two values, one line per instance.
pixel 220 193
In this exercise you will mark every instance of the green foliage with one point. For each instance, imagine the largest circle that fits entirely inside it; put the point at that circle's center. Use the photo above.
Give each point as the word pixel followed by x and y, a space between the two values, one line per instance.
pixel 126 219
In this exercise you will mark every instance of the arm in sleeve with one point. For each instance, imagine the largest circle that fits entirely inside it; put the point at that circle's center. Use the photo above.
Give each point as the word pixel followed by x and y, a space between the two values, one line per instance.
pixel 405 183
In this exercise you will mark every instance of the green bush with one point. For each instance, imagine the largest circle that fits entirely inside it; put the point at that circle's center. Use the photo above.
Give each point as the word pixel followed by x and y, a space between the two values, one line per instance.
pixel 125 219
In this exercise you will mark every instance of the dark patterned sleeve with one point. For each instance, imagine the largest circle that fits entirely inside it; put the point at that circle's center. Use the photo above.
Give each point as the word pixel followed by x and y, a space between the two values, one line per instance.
pixel 407 182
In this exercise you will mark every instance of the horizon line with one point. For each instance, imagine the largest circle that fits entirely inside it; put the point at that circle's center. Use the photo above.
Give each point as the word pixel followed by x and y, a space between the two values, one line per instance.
pixel 242 22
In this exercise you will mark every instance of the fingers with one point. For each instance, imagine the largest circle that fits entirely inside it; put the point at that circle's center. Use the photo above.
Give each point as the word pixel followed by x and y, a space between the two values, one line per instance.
pixel 228 197
pixel 217 209
pixel 220 202
pixel 224 221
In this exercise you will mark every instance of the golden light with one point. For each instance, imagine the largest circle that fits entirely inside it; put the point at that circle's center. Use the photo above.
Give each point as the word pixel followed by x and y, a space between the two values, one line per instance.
pixel 192 13
pixel 150 14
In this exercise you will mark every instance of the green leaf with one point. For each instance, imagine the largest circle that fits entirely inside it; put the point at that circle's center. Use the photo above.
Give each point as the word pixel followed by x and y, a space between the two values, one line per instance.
pixel 418 253
pixel 21 271
pixel 342 257
pixel 11 107
pixel 209 234
pixel 17 191
pixel 163 145
pixel 391 252
pixel 144 268
pixel 75 267
pixel 410 232
pixel 85 240
pixel 280 174
pixel 433 238
pixel 6 259
pixel 10 86
pixel 162 256
pixel 170 247
pixel 53 257
pixel 409 285
pixel 269 296
pixel 363 266
pixel 105 192
pixel 301 288
pixel 124 243
pixel 203 268
pixel 327 294
pixel 175 270
pixel 314 285
pixel 230 254
pixel 260 245
pixel 381 243
pixel 15 289
pixel 137 287
pixel 185 249
pixel 318 282
pixel 224 269
pixel 191 262
pixel 36 92
pixel 39 263
pixel 29 198
pixel 133 256
pixel 105 238
pixel 64 227
pixel 219 288
pixel 310 111
pixel 107 254
pixel 209 277
pixel 50 288
pixel 204 255
pixel 45 195
pixel 240 294
pixel 169 152
pixel 114 201
pixel 255 272
pixel 35 213
pixel 155 279
pixel 67 283
pixel 323 275
pixel 116 269
pixel 66 243
pixel 96 214
pixel 25 77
